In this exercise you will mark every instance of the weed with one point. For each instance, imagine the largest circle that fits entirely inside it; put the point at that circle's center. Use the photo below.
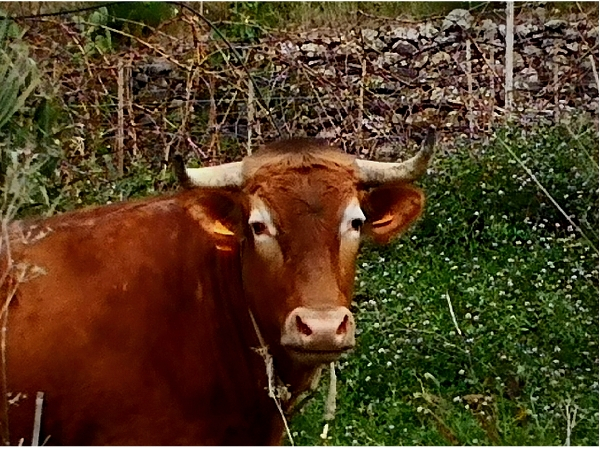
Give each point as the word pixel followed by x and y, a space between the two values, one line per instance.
pixel 523 285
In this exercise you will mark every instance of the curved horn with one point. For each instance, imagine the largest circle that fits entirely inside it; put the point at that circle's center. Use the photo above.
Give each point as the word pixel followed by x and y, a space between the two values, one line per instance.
pixel 229 174
pixel 373 172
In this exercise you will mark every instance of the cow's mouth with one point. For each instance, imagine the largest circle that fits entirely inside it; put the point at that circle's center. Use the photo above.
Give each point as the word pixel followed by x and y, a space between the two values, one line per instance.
pixel 315 356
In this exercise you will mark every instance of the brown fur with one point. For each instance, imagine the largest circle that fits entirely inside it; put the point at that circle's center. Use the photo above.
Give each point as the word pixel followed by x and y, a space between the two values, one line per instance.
pixel 139 331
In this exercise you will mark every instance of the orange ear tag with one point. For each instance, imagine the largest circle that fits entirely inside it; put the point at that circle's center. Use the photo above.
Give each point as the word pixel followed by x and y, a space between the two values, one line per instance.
pixel 387 219
pixel 221 229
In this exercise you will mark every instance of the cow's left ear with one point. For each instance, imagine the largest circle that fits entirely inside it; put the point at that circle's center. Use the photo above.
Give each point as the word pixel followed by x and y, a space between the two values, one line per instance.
pixel 390 209
pixel 220 211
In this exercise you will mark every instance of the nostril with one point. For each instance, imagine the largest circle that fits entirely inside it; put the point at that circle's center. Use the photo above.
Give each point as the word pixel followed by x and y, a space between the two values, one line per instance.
pixel 342 329
pixel 302 327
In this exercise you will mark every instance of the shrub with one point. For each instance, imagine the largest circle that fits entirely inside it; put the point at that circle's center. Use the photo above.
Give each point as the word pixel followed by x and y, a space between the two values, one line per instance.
pixel 523 287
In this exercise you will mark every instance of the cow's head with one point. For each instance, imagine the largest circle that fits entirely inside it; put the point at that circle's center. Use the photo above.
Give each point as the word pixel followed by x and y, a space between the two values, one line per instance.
pixel 299 208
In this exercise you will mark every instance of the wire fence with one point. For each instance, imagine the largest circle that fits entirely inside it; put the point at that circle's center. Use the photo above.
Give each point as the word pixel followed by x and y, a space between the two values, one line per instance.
pixel 374 91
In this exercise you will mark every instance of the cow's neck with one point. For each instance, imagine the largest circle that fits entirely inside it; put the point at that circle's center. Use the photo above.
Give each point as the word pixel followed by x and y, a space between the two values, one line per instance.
pixel 238 333
pixel 283 372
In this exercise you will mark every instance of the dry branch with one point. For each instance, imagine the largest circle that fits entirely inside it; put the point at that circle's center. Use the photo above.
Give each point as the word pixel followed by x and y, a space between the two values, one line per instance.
pixel 508 70
pixel 37 421
pixel 120 121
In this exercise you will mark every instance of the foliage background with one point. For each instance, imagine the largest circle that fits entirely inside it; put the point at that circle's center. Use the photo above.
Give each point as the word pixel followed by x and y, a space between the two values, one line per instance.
pixel 480 326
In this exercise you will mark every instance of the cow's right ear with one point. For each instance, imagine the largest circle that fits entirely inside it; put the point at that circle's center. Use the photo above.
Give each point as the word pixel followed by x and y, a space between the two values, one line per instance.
pixel 221 212
pixel 390 209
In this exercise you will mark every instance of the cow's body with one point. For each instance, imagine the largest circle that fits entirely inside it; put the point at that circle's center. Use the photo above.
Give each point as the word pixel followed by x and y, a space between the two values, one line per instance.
pixel 135 334
pixel 135 319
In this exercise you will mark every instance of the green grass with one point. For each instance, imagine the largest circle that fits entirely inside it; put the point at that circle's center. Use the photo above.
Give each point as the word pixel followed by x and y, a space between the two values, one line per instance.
pixel 524 290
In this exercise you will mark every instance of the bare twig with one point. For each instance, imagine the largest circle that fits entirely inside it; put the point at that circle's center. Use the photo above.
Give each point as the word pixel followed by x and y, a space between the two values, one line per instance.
pixel 571 417
pixel 129 106
pixel 452 314
pixel 120 121
pixel 469 87
pixel 508 63
pixel 275 392
pixel 330 403
pixel 37 421
pixel 250 115
pixel 594 71
pixel 361 96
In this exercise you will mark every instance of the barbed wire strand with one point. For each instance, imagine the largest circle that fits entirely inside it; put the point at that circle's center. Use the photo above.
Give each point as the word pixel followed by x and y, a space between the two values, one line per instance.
pixel 240 60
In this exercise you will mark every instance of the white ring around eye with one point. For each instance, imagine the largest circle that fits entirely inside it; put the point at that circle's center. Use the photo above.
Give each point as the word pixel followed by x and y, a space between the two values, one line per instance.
pixel 351 213
pixel 260 214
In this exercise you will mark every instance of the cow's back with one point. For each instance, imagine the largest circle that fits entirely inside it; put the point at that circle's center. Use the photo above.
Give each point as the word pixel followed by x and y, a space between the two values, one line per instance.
pixel 118 325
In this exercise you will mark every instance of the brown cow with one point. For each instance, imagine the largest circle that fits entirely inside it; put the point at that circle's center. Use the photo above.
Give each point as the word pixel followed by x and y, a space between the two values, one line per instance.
pixel 140 322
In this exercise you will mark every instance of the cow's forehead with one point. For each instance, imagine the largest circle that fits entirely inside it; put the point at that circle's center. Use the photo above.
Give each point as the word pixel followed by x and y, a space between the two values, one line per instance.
pixel 320 188
pixel 304 179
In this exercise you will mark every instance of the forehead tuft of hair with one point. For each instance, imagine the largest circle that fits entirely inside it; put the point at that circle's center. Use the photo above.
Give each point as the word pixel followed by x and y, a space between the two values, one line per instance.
pixel 297 153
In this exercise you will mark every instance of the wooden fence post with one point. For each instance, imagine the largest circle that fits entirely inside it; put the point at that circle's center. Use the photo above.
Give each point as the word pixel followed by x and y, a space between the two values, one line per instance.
pixel 250 115
pixel 508 61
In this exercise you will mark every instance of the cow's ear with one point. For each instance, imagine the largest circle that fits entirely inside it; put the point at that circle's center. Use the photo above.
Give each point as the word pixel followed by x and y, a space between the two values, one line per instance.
pixel 220 212
pixel 390 209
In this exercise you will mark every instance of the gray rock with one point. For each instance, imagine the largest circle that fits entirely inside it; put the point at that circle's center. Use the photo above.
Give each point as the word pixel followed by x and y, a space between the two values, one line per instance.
pixel 409 34
pixel 439 57
pixel 527 79
pixel 420 61
pixel 540 12
pixel 556 24
pixel 427 30
pixel 329 134
pixel 369 35
pixel 489 29
pixel 573 46
pixel 458 17
pixel 141 77
pixel 571 34
pixel 525 29
pixel 160 67
pixel 518 61
pixel 444 39
pixel 162 83
pixel 288 49
pixel 376 44
pixel 404 48
pixel 387 59
pixel 532 50
pixel 312 50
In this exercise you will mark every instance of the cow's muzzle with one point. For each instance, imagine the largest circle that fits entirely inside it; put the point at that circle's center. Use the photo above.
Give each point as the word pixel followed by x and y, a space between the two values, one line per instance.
pixel 318 336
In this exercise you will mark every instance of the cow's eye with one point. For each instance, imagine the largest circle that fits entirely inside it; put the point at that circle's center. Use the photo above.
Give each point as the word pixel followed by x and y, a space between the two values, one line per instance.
pixel 357 224
pixel 258 228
